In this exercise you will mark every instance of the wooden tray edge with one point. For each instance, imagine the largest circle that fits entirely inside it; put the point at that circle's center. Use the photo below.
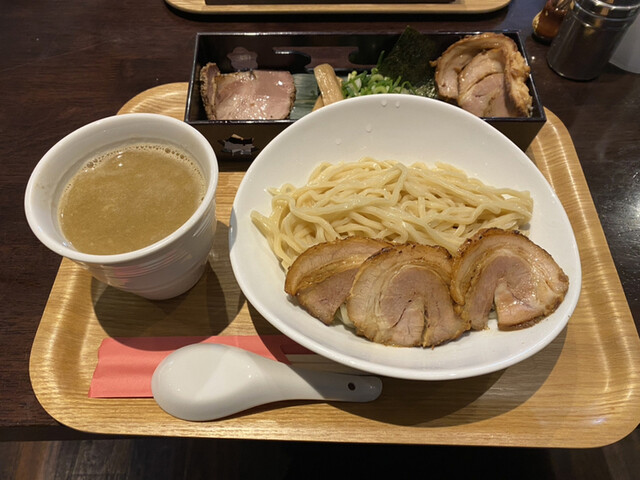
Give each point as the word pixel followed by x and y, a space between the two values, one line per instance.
pixel 174 93
pixel 456 7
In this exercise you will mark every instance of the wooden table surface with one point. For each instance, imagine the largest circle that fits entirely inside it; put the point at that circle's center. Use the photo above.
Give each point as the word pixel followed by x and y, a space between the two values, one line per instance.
pixel 66 64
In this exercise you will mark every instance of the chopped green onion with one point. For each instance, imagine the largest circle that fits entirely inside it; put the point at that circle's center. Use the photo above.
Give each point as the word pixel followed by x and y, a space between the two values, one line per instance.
pixel 369 83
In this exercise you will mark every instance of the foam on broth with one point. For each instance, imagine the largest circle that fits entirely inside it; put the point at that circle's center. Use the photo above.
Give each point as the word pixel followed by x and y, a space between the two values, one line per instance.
pixel 129 198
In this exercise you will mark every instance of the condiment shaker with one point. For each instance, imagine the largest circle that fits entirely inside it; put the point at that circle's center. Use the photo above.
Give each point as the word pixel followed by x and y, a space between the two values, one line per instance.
pixel 547 22
pixel 588 36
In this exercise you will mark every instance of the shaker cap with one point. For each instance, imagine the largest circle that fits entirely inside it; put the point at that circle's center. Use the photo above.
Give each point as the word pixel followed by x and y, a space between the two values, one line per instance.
pixel 611 9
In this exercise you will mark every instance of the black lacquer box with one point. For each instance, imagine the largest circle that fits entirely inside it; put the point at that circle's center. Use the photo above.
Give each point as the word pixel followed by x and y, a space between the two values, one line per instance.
pixel 299 53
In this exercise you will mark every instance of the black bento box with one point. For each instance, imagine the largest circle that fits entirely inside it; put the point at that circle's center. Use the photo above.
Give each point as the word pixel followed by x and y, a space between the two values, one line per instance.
pixel 299 53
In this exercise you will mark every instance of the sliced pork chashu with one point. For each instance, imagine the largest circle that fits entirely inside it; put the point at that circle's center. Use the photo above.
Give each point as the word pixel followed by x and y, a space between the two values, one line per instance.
pixel 321 277
pixel 400 296
pixel 250 95
pixel 453 60
pixel 482 87
pixel 485 74
pixel 506 270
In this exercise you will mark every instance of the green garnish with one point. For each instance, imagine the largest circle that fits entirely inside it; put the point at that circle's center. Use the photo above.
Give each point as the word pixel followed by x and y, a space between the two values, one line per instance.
pixel 370 83
pixel 406 69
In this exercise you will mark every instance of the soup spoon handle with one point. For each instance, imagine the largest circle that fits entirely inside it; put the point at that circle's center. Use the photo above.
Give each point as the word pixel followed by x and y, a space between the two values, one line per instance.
pixel 210 381
pixel 307 384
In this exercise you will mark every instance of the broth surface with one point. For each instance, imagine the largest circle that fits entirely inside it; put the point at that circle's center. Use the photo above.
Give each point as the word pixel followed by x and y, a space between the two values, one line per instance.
pixel 129 198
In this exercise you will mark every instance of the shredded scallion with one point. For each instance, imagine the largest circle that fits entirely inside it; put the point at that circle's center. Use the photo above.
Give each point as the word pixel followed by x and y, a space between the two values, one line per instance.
pixel 369 83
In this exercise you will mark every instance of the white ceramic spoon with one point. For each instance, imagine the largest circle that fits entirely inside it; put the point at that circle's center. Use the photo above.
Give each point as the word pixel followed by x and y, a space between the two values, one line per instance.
pixel 208 381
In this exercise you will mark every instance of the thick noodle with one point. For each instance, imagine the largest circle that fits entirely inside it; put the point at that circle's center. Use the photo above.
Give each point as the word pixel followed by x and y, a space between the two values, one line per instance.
pixel 388 200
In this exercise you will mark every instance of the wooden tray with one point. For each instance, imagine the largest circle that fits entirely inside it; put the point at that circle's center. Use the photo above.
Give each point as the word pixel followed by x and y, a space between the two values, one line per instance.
pixel 455 6
pixel 580 391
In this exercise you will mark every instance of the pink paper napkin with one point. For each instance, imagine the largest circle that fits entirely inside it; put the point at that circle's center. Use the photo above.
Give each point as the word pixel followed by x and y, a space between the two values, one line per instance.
pixel 126 364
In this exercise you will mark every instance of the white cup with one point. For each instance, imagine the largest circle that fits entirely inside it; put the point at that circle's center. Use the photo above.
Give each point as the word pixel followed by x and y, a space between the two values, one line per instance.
pixel 162 270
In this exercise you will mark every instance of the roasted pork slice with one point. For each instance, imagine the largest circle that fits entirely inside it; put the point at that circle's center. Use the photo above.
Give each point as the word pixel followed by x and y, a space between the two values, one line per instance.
pixel 516 74
pixel 482 89
pixel 458 55
pixel 250 95
pixel 482 65
pixel 487 98
pixel 208 88
pixel 400 296
pixel 321 277
pixel 485 73
pixel 506 270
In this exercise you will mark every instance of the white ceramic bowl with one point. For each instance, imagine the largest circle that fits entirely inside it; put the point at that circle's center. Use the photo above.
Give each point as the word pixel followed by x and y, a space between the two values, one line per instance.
pixel 408 129
pixel 162 270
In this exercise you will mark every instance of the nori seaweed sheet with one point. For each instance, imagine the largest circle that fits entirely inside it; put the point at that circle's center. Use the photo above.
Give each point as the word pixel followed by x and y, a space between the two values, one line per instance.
pixel 409 59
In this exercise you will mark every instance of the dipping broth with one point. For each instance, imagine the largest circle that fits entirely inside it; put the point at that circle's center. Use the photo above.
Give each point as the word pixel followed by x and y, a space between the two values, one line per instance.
pixel 129 198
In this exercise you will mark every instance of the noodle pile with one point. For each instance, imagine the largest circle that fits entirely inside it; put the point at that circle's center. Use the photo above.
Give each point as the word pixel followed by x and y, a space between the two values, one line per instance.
pixel 387 200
